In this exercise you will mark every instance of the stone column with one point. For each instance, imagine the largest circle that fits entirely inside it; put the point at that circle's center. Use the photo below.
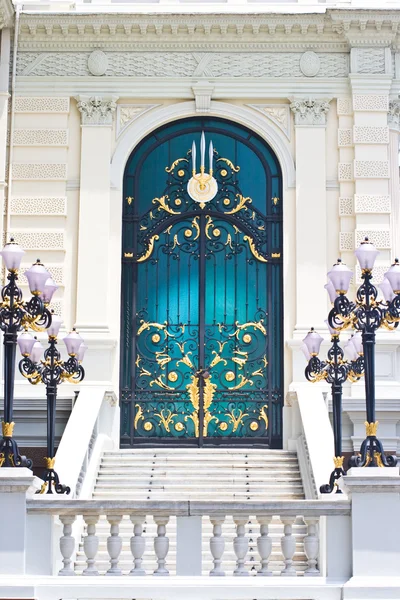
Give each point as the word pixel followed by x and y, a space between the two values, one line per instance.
pixel 311 245
pixel 94 212
pixel 4 96
pixel 394 184
pixel 14 484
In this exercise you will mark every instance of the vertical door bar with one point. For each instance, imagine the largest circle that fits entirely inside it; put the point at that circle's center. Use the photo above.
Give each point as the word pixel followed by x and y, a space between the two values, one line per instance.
pixel 202 274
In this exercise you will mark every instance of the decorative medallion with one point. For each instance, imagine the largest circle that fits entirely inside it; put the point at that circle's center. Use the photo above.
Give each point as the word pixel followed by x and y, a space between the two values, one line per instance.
pixel 173 376
pixel 254 425
pixel 97 63
pixel 223 426
pixel 247 338
pixel 179 426
pixel 148 426
pixel 155 338
pixel 230 376
pixel 202 187
pixel 310 64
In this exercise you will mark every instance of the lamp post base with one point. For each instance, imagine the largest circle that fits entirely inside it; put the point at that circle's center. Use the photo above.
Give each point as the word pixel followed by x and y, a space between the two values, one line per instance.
pixel 51 480
pixel 372 455
pixel 10 456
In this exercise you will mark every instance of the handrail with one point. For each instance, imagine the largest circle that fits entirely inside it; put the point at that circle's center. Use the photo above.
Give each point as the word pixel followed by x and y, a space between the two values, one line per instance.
pixel 290 508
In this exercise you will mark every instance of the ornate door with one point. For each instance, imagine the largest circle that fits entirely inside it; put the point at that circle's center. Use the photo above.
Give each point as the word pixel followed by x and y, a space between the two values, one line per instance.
pixel 201 351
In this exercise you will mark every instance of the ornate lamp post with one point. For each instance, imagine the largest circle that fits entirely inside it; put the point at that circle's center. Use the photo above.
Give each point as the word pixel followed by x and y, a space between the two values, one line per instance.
pixel 366 315
pixel 335 371
pixel 15 313
pixel 52 371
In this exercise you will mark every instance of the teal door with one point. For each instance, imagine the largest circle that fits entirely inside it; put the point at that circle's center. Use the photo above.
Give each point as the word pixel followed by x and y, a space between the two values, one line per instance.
pixel 202 305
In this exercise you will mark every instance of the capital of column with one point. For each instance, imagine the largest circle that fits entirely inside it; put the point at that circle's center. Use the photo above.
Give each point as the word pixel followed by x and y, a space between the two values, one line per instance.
pixel 97 110
pixel 394 114
pixel 310 112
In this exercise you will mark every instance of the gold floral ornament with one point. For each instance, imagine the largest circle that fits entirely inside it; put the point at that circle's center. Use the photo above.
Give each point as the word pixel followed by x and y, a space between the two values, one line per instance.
pixel 202 187
pixel 7 429
pixel 371 428
pixel 338 462
pixel 49 462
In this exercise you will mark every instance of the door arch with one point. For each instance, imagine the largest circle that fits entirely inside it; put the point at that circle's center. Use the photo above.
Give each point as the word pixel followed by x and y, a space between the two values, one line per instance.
pixel 202 302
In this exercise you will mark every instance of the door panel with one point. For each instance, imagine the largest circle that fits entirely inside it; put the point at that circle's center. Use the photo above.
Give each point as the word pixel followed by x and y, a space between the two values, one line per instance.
pixel 201 343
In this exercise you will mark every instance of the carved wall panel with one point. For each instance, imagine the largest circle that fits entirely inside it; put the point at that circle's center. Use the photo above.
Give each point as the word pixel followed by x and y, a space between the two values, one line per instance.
pixel 370 102
pixel 371 169
pixel 371 204
pixel 346 241
pixel 40 137
pixel 345 138
pixel 379 237
pixel 345 172
pixel 346 206
pixel 49 171
pixel 39 240
pixel 371 135
pixel 39 206
pixel 41 105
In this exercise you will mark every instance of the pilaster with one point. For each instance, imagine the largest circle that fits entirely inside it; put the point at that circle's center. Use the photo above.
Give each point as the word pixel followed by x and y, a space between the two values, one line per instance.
pixel 311 246
pixel 94 212
pixel 394 129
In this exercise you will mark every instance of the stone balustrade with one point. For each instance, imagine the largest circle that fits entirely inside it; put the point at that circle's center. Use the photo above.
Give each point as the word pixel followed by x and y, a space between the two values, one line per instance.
pixel 288 513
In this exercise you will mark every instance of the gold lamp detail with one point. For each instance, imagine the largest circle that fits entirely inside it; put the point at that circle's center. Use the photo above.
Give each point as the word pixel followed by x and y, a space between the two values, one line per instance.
pixel 202 187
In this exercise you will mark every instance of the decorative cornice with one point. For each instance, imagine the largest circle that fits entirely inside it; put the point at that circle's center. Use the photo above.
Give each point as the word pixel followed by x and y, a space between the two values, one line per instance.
pixel 6 13
pixel 310 112
pixel 96 110
pixel 394 114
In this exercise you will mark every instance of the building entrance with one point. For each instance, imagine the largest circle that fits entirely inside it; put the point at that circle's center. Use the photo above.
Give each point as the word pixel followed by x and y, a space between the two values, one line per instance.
pixel 202 306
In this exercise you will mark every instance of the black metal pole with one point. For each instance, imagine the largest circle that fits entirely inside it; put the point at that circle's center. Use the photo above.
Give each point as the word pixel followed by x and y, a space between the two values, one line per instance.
pixel 51 394
pixel 337 417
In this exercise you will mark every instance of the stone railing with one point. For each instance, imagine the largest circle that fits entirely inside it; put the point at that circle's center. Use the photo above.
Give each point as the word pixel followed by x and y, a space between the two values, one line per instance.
pixel 191 517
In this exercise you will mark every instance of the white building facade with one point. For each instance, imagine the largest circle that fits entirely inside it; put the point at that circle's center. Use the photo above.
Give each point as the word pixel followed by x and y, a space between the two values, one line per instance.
pixel 83 87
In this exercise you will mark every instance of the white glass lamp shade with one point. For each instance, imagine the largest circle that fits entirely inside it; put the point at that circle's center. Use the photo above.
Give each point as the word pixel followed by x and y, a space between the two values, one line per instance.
pixel 72 342
pixel 331 330
pixel 81 352
pixel 54 328
pixel 37 277
pixel 393 276
pixel 305 351
pixel 12 255
pixel 26 342
pixel 340 275
pixel 37 352
pixel 366 254
pixel 49 289
pixel 313 342
pixel 387 290
pixel 330 288
pixel 350 351
pixel 357 342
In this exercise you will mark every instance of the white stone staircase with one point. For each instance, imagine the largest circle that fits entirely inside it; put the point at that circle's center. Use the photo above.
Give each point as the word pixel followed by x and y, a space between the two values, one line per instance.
pixel 208 474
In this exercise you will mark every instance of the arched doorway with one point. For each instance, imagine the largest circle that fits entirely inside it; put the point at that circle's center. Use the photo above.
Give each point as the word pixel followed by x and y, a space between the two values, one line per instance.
pixel 202 302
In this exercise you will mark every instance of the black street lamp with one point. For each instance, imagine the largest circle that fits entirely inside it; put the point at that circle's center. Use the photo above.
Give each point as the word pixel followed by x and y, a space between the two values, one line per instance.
pixel 52 371
pixel 366 315
pixel 15 314
pixel 335 371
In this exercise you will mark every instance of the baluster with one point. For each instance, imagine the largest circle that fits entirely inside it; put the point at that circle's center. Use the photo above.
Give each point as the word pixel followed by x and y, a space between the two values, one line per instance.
pixel 114 545
pixel 264 545
pixel 240 546
pixel 161 545
pixel 91 544
pixel 67 544
pixel 138 544
pixel 217 547
pixel 288 544
pixel 311 546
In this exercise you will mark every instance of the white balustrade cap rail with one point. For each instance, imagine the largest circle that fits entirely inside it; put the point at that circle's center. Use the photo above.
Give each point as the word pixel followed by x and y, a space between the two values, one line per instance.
pixel 289 508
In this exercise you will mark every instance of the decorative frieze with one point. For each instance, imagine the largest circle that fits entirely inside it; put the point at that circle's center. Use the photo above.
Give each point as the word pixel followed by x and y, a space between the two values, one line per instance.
pixel 345 138
pixel 344 106
pixel 346 206
pixel 394 114
pixel 370 103
pixel 126 113
pixel 96 110
pixel 370 135
pixel 39 240
pixel 371 169
pixel 40 137
pixel 40 171
pixel 309 112
pixel 50 205
pixel 277 113
pixel 379 237
pixel 371 204
pixel 345 172
pixel 346 241
pixel 202 94
pixel 41 105
pixel 369 61
pixel 178 64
